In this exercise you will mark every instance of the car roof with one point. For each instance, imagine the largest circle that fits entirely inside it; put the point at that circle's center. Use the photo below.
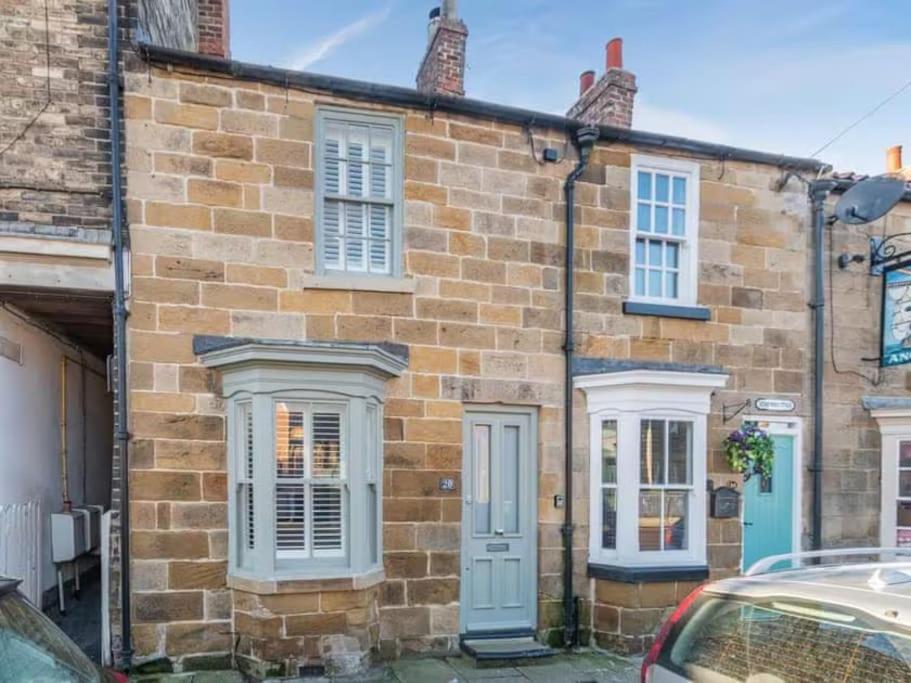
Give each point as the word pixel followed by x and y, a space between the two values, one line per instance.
pixel 881 589
pixel 8 585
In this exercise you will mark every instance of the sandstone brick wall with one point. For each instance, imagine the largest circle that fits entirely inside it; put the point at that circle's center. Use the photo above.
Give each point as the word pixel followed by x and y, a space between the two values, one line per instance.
pixel 851 453
pixel 220 207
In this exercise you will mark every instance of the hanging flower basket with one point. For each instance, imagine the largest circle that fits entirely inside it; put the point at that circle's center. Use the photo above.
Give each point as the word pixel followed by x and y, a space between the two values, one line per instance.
pixel 750 450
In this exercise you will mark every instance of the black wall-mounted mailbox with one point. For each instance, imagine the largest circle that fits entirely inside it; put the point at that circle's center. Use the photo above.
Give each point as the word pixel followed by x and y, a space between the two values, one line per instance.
pixel 725 502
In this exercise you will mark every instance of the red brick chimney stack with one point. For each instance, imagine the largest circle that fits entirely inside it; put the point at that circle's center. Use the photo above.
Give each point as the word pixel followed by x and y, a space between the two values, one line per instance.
pixel 443 69
pixel 212 28
pixel 610 101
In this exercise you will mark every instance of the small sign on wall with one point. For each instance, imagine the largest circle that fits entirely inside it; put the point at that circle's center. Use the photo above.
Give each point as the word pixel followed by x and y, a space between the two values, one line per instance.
pixel 447 484
pixel 895 328
pixel 775 405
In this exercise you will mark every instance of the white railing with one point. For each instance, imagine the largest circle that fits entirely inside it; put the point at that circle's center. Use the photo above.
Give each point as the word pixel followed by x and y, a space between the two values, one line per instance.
pixel 20 547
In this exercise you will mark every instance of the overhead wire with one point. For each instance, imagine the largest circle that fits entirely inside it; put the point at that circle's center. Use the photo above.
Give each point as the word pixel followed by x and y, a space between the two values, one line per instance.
pixel 863 118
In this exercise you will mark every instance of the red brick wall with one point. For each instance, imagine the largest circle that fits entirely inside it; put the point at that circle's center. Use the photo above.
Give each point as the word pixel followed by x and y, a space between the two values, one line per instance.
pixel 443 68
pixel 213 28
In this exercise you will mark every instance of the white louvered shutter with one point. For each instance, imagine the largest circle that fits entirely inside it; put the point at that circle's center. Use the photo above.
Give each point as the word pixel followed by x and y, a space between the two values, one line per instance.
pixel 245 479
pixel 310 484
pixel 328 522
pixel 358 199
pixel 290 481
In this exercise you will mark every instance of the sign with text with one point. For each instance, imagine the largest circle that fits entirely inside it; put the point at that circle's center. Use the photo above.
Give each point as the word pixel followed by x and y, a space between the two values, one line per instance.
pixel 895 332
pixel 775 405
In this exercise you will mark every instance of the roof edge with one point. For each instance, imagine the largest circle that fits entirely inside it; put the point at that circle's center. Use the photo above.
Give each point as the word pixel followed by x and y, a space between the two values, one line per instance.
pixel 407 97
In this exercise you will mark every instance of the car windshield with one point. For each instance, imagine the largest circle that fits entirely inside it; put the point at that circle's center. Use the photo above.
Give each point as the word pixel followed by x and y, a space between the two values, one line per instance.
pixel 781 640
pixel 33 649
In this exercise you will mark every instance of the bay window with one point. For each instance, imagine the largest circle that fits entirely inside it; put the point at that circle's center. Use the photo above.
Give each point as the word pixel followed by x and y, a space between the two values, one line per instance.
pixel 305 444
pixel 648 465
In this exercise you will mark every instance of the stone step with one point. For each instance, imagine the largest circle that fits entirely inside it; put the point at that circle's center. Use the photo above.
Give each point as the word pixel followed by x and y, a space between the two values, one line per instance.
pixel 498 651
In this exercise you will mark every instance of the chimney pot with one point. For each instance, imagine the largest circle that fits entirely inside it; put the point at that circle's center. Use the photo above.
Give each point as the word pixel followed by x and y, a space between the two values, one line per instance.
pixel 614 52
pixel 586 80
pixel 894 159
pixel 610 100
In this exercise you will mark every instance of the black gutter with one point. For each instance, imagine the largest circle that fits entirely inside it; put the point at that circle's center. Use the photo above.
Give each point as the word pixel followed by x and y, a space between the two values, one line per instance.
pixel 585 139
pixel 407 97
pixel 818 190
pixel 121 436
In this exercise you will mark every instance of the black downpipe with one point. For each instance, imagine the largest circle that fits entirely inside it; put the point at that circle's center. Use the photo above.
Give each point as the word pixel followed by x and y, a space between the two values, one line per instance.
pixel 819 190
pixel 585 139
pixel 121 435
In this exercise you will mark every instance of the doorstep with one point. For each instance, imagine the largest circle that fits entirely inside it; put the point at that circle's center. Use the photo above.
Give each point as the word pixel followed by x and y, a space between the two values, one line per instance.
pixel 493 651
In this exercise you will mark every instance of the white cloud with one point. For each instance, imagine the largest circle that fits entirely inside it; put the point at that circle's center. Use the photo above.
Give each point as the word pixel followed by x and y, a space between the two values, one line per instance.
pixel 322 48
pixel 675 122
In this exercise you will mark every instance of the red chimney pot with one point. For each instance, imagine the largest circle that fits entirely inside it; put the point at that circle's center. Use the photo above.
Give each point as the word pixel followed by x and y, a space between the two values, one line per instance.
pixel 894 159
pixel 614 50
pixel 586 80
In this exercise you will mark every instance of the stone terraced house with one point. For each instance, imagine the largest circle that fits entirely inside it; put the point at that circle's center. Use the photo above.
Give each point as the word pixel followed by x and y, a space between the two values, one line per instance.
pixel 350 372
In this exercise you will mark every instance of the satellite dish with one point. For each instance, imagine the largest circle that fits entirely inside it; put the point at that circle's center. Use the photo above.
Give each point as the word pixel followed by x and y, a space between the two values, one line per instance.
pixel 870 199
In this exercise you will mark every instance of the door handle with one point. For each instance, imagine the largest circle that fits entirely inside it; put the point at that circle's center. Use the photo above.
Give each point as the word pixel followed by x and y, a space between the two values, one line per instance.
pixel 498 532
pixel 748 524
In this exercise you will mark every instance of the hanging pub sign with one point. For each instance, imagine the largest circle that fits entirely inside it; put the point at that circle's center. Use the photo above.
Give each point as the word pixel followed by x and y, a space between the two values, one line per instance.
pixel 895 332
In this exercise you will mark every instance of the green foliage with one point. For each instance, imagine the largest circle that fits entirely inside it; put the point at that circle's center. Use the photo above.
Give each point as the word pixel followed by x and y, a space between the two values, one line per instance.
pixel 750 450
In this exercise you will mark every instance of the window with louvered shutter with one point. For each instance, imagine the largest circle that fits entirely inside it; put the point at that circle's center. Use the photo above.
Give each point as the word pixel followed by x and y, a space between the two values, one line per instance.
pixel 358 193
pixel 245 478
pixel 310 481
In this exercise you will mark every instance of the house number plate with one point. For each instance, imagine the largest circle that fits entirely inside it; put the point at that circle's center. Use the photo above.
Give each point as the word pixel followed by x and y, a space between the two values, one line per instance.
pixel 447 484
pixel 498 547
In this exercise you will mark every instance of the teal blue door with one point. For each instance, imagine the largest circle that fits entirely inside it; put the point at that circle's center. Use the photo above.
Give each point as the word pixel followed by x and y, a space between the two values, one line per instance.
pixel 768 506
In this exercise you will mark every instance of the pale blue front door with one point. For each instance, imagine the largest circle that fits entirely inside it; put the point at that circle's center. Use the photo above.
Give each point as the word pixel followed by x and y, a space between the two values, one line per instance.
pixel 768 507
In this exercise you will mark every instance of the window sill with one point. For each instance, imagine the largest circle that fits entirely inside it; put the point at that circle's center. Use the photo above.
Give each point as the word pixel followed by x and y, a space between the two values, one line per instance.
pixel 359 283
pixel 250 584
pixel 667 310
pixel 648 574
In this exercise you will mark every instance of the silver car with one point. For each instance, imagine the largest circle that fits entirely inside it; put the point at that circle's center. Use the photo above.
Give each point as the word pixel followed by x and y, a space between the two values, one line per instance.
pixel 805 622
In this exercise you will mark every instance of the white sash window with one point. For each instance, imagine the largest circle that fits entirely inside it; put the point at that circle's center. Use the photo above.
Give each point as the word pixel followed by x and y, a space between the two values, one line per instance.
pixel 359 193
pixel 664 230
pixel 648 466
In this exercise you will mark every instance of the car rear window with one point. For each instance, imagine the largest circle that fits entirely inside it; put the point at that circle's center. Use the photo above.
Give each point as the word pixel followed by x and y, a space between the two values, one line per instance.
pixel 784 641
pixel 33 649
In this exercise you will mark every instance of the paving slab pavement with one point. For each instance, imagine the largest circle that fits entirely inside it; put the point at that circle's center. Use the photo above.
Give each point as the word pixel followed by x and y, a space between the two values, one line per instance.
pixel 582 666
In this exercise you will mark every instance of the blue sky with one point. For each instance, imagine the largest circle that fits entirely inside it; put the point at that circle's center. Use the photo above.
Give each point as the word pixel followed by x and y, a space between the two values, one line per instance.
pixel 776 75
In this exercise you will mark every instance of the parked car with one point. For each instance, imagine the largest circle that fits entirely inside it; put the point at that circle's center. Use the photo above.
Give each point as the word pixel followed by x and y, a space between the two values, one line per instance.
pixel 800 624
pixel 34 650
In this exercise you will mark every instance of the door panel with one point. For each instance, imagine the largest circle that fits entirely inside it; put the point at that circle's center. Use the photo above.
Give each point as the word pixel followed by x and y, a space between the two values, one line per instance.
pixel 768 507
pixel 499 542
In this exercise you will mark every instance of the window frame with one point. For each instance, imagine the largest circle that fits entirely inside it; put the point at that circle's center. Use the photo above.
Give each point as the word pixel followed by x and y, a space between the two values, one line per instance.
pixel 688 258
pixel 344 377
pixel 308 408
pixel 324 115
pixel 894 422
pixel 629 397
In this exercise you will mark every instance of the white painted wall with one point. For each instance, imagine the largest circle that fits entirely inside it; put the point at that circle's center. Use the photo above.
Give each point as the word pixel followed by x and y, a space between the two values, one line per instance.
pixel 30 433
